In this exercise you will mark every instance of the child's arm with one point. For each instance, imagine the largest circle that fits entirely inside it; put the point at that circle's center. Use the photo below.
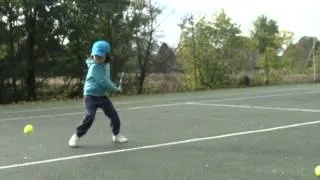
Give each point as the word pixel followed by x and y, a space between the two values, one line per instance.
pixel 99 76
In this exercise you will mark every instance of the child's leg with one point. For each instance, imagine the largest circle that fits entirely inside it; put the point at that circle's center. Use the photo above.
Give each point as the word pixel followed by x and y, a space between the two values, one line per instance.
pixel 91 105
pixel 110 111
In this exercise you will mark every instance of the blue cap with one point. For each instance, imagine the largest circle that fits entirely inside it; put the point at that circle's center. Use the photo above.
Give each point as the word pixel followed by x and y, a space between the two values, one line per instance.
pixel 100 48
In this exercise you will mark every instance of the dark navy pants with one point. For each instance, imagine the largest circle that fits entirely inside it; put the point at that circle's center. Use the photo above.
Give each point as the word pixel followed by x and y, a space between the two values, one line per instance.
pixel 92 103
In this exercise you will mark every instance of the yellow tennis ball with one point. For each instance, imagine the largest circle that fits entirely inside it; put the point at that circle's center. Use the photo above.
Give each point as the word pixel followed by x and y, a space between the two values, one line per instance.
pixel 28 129
pixel 317 170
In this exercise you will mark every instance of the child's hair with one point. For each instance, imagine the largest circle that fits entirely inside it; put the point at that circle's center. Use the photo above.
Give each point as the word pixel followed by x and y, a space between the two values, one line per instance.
pixel 108 58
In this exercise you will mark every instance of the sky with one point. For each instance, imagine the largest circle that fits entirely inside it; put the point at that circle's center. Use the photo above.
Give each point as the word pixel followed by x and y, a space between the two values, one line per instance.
pixel 300 17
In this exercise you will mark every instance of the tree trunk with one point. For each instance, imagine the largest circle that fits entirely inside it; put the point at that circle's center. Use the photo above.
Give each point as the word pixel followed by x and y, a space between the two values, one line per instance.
pixel 31 79
pixel 142 77
pixel 11 54
pixel 31 84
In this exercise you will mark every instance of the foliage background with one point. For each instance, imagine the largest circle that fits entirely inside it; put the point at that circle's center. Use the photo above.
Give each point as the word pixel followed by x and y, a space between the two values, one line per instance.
pixel 43 46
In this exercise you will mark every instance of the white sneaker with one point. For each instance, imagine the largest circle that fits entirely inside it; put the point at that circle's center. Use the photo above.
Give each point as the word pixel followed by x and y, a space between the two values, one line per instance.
pixel 119 139
pixel 74 141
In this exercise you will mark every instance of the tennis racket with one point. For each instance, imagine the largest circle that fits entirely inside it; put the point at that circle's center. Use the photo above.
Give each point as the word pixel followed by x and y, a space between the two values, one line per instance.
pixel 120 81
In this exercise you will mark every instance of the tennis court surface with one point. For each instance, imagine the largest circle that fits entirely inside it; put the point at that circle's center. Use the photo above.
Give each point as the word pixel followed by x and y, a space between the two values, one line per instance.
pixel 237 134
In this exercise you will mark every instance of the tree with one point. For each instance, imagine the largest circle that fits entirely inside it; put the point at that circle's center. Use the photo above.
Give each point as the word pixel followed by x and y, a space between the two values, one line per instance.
pixel 205 50
pixel 165 60
pixel 11 35
pixel 145 37
pixel 265 34
pixel 296 56
pixel 45 39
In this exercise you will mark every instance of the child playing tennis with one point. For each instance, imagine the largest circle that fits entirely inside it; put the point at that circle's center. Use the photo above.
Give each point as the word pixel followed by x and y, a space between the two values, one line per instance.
pixel 97 85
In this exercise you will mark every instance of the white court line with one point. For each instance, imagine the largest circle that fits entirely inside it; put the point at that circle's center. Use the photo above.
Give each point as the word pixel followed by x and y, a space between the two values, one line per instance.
pixel 255 97
pixel 157 145
pixel 157 106
pixel 115 102
pixel 255 107
pixel 140 101
pixel 82 112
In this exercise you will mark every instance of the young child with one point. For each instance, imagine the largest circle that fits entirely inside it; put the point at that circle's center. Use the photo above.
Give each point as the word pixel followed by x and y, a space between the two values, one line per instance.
pixel 97 85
